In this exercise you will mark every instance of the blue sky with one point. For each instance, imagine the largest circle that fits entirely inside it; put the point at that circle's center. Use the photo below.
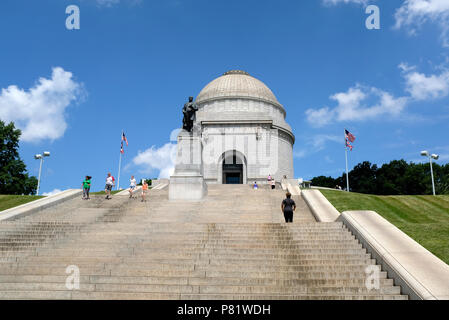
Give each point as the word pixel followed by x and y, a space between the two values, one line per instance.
pixel 133 63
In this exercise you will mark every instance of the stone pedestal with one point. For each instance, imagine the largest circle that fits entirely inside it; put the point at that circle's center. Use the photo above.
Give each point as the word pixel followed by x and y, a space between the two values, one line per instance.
pixel 187 181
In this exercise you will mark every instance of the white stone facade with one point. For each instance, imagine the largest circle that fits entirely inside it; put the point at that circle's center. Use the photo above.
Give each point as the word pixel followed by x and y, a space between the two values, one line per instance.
pixel 243 129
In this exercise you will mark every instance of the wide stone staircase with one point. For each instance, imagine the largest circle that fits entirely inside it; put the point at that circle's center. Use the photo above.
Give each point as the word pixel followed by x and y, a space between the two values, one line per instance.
pixel 232 245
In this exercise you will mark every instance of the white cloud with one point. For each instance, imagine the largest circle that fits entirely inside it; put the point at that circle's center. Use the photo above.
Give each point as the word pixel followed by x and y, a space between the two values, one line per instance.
pixel 161 159
pixel 55 191
pixel 319 117
pixel 316 144
pixel 405 67
pixel 319 141
pixel 299 154
pixel 351 107
pixel 40 111
pixel 425 87
pixel 414 13
pixel 328 159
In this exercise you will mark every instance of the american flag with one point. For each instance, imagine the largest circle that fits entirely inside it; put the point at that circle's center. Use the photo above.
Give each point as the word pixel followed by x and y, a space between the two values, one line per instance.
pixel 122 151
pixel 349 136
pixel 348 145
pixel 124 139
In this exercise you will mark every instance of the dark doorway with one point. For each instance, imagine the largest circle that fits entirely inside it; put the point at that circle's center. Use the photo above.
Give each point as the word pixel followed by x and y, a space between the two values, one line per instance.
pixel 232 170
pixel 233 178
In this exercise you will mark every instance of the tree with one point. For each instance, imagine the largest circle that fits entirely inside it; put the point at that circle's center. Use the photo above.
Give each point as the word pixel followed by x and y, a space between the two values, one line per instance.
pixel 322 181
pixel 13 176
pixel 391 178
pixel 149 181
pixel 417 180
pixel 363 178
pixel 395 178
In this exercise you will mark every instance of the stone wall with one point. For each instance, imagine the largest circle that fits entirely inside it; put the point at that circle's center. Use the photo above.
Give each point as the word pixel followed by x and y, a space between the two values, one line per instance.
pixel 263 151
pixel 255 129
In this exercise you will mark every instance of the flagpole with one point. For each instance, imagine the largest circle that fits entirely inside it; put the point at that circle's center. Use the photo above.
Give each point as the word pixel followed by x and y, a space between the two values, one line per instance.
pixel 119 165
pixel 346 156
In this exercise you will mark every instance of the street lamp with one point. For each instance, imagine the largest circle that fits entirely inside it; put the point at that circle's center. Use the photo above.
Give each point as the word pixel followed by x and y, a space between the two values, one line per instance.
pixel 431 156
pixel 40 157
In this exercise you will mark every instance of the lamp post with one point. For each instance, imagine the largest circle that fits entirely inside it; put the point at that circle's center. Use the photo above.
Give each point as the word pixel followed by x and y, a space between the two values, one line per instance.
pixel 431 156
pixel 40 157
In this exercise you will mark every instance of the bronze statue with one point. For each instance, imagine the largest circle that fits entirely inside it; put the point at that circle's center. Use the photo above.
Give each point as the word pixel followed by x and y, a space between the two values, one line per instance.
pixel 189 110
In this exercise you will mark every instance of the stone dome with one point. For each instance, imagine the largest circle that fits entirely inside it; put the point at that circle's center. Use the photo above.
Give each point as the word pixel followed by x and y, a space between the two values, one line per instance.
pixel 237 84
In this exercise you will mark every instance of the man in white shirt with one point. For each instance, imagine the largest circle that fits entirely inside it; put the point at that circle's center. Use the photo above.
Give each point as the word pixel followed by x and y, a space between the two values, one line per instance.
pixel 109 185
pixel 132 186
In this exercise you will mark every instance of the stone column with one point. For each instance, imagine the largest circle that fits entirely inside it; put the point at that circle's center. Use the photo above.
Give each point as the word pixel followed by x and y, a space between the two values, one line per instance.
pixel 187 182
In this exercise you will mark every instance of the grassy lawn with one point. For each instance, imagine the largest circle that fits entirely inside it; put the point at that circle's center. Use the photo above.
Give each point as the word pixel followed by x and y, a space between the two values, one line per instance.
pixel 423 218
pixel 104 193
pixel 9 201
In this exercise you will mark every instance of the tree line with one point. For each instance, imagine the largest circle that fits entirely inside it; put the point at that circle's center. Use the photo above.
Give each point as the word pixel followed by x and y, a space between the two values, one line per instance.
pixel 14 178
pixel 395 178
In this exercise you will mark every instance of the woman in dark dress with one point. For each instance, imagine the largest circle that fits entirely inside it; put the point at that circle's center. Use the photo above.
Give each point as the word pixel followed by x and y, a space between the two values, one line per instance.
pixel 288 207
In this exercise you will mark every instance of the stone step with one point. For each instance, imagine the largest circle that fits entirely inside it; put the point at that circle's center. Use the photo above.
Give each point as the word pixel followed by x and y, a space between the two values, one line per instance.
pixel 236 228
pixel 182 231
pixel 144 238
pixel 142 262
pixel 129 254
pixel 349 265
pixel 192 255
pixel 182 246
pixel 195 281
pixel 259 297
pixel 128 232
pixel 101 226
pixel 86 295
pixel 236 248
pixel 123 272
pixel 210 253
pixel 300 247
pixel 355 273
pixel 200 289
pixel 148 238
pixel 213 270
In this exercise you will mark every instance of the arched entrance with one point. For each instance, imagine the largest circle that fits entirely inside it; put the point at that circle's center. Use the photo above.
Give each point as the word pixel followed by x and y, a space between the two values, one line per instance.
pixel 232 168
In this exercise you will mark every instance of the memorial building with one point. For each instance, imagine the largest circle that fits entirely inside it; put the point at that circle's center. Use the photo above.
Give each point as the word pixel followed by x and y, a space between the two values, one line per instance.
pixel 238 134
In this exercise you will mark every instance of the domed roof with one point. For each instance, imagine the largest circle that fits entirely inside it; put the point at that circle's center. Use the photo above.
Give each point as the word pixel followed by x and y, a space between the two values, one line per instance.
pixel 237 84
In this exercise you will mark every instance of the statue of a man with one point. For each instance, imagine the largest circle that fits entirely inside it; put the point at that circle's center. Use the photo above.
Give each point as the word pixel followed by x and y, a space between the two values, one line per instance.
pixel 189 110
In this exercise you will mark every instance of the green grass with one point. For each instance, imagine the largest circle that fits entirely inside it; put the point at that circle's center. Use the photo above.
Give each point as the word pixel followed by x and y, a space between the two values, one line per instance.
pixel 423 218
pixel 10 201
pixel 100 193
